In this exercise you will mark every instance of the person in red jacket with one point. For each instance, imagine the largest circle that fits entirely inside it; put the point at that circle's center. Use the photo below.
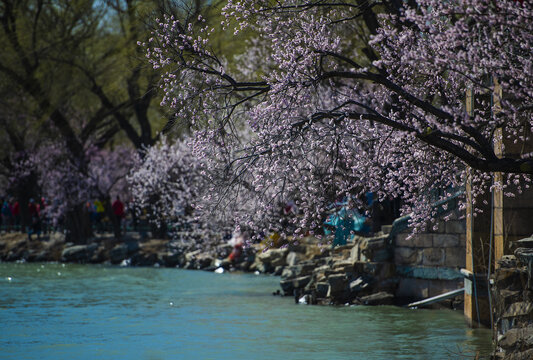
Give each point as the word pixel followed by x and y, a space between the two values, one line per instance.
pixel 35 228
pixel 16 214
pixel 118 210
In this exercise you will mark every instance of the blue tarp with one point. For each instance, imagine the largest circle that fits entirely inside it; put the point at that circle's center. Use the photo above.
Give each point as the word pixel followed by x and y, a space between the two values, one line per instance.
pixel 346 222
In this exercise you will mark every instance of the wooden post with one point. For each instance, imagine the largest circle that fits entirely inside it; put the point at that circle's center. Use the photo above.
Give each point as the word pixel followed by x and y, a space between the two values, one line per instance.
pixel 497 192
pixel 470 308
pixel 478 232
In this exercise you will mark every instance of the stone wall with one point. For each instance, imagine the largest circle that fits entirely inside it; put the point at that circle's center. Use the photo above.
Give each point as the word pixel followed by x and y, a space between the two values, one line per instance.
pixel 517 211
pixel 513 305
pixel 429 263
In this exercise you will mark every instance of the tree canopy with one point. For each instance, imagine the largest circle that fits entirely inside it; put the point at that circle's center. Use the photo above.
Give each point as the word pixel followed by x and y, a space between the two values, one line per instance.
pixel 75 88
pixel 341 98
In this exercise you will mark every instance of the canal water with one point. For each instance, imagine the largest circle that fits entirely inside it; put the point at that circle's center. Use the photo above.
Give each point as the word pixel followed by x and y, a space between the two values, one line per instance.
pixel 64 311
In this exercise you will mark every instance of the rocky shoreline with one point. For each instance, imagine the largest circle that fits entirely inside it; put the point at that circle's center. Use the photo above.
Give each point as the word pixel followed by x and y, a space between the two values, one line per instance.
pixel 310 273
pixel 513 303
pixel 131 250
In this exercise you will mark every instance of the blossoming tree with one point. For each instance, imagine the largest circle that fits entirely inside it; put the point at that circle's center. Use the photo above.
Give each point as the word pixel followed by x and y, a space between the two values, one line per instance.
pixel 69 181
pixel 167 182
pixel 174 187
pixel 335 111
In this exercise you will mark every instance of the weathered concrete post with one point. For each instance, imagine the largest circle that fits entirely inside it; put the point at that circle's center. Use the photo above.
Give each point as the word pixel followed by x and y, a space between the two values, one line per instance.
pixel 479 254
pixel 497 192
pixel 476 304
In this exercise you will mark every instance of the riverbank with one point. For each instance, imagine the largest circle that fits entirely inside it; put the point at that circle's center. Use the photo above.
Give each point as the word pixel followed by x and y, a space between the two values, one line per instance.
pixel 310 273
pixel 130 250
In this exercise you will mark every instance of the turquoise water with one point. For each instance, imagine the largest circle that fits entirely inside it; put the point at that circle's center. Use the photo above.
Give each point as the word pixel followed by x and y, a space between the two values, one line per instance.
pixel 55 311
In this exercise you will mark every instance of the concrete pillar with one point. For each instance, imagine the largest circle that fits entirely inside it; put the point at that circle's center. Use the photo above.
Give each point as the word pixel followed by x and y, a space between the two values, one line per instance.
pixel 476 305
pixel 497 192
pixel 479 256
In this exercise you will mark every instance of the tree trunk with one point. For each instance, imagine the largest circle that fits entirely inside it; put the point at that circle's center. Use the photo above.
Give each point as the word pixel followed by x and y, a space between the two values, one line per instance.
pixel 78 225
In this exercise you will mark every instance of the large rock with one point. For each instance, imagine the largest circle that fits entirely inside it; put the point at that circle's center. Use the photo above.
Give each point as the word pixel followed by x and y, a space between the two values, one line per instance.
pixel 511 279
pixel 278 270
pixel 378 270
pixel 322 289
pixel 525 257
pixel 301 282
pixel 243 266
pixel 287 287
pixel 521 355
pixel 376 248
pixel 522 309
pixel 356 254
pixel 204 261
pixel 172 259
pixel 343 266
pixel 57 237
pixel 122 251
pixel 359 284
pixel 99 255
pixel 262 267
pixel 118 253
pixel 291 272
pixel 293 258
pixel 380 298
pixel 191 255
pixel 297 247
pixel 273 257
pixel 321 269
pixel 337 284
pixel 144 259
pixel 519 338
pixel 320 272
pixel 41 256
pixel 78 253
pixel 508 261
pixel 190 259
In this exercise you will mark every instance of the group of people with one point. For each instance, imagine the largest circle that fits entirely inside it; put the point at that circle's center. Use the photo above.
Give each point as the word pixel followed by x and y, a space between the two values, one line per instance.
pixel 99 217
pixel 11 216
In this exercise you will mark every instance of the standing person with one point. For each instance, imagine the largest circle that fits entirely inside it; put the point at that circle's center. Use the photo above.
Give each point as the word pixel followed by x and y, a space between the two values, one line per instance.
pixel 100 211
pixel 2 221
pixel 7 214
pixel 91 209
pixel 35 228
pixel 16 214
pixel 143 223
pixel 134 218
pixel 118 211
pixel 237 241
pixel 43 215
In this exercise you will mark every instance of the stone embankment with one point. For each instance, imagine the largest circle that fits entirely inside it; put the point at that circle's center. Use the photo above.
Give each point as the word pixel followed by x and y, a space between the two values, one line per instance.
pixel 362 272
pixel 131 250
pixel 513 303
pixel 345 275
